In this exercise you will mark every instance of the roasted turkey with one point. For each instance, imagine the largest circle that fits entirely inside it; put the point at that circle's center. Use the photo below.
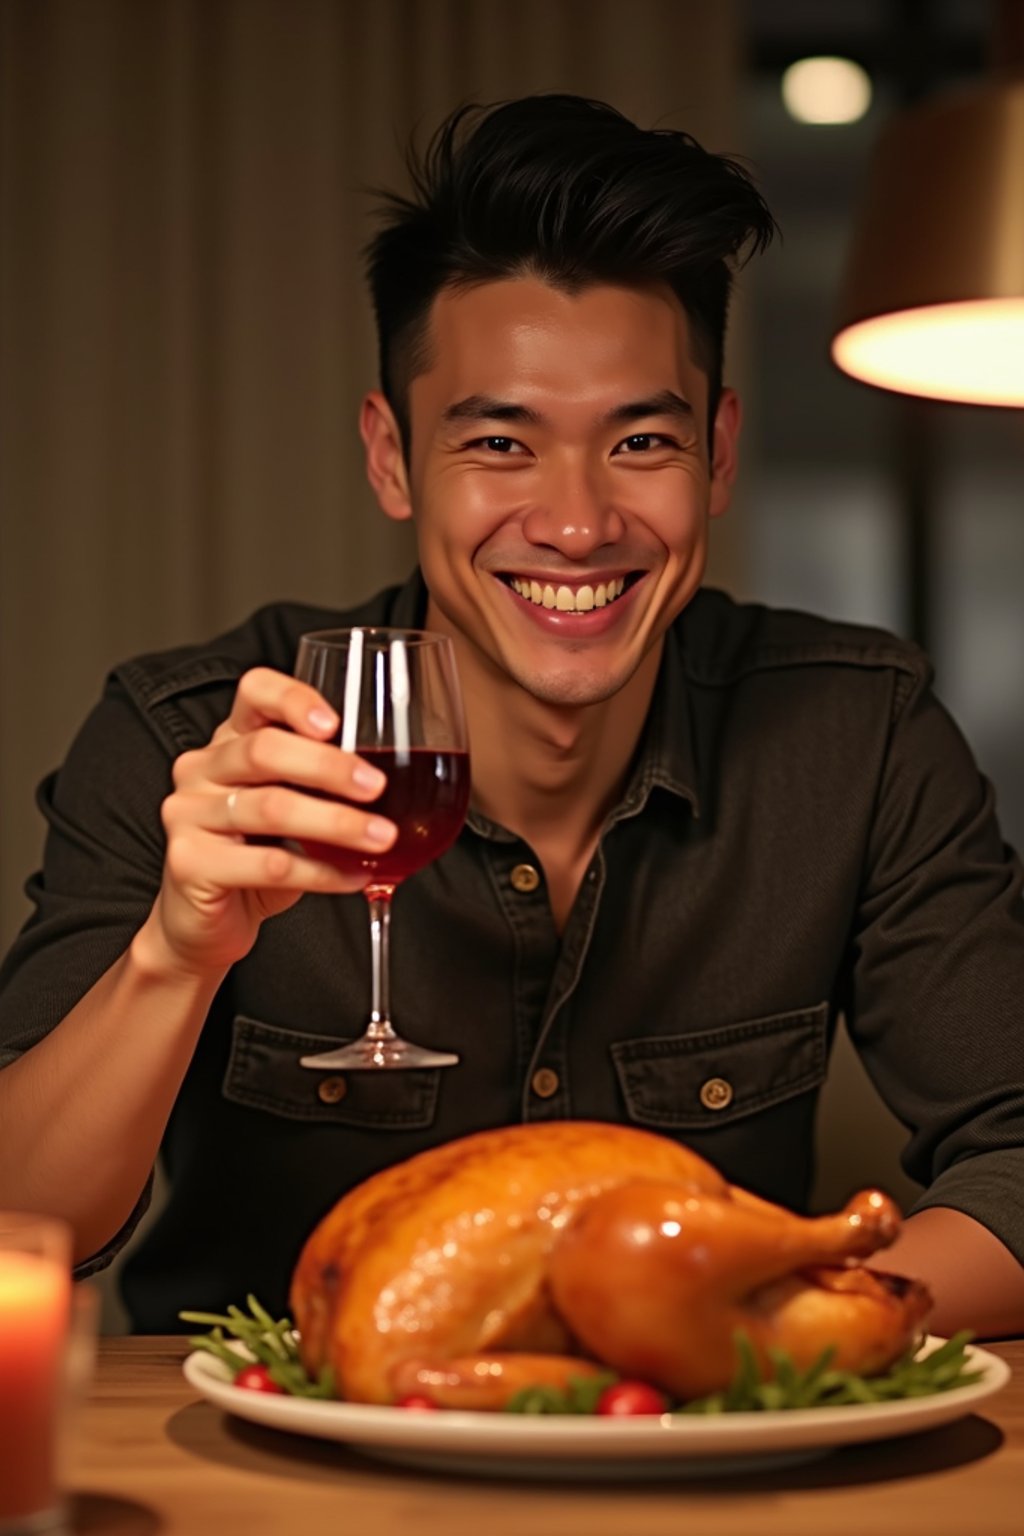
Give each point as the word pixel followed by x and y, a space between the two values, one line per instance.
pixel 535 1253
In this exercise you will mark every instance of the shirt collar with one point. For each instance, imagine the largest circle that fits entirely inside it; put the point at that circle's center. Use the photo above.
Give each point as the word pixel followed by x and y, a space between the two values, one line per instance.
pixel 666 758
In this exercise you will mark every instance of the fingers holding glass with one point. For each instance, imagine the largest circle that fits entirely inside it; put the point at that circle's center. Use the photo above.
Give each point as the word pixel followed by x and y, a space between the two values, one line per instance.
pixel 254 867
pixel 273 810
pixel 264 696
pixel 270 755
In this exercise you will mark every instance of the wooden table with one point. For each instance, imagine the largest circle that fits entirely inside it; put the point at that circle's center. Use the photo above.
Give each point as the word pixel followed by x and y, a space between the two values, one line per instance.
pixel 150 1456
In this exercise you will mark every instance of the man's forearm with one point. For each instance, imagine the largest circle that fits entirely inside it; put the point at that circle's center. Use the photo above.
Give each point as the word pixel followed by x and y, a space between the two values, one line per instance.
pixel 975 1280
pixel 83 1112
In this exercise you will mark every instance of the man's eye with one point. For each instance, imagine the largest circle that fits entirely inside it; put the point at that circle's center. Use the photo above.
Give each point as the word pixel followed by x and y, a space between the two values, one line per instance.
pixel 643 442
pixel 495 444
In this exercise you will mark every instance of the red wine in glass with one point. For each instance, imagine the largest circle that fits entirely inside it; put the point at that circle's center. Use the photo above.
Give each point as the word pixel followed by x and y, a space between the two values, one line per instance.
pixel 396 692
pixel 426 797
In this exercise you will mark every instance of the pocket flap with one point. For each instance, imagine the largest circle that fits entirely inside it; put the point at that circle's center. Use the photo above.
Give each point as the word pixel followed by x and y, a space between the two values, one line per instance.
pixel 263 1072
pixel 698 1082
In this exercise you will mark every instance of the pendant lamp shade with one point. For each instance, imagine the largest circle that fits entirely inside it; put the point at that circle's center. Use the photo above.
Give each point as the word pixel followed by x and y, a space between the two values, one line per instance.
pixel 932 302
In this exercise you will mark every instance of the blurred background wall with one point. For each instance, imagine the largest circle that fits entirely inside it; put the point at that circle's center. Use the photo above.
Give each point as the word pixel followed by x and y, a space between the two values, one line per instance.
pixel 184 341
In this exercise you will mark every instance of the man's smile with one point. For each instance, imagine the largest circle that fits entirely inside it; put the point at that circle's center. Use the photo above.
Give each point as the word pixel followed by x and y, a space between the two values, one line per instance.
pixel 574 606
pixel 568 596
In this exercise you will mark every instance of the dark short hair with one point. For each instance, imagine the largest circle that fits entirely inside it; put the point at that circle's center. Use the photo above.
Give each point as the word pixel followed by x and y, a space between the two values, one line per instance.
pixel 568 190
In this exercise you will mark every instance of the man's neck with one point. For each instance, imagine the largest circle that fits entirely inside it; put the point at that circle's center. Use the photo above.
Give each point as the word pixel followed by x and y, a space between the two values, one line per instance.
pixel 550 773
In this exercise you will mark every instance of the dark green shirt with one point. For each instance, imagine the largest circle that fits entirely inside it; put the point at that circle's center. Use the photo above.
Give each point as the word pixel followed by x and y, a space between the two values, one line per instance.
pixel 803 833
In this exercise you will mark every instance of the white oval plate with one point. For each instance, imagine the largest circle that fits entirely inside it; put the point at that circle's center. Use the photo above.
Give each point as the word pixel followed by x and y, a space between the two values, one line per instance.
pixel 672 1445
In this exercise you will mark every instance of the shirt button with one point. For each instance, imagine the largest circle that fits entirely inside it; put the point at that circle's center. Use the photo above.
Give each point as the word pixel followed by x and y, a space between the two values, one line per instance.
pixel 544 1082
pixel 525 879
pixel 331 1090
pixel 716 1093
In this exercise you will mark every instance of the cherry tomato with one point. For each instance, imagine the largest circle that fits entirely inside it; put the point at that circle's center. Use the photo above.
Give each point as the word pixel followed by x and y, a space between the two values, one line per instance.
pixel 257 1379
pixel 626 1398
pixel 416 1401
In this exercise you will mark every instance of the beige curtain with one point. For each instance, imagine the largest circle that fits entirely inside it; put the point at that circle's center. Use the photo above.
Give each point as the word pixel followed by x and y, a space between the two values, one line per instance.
pixel 184 336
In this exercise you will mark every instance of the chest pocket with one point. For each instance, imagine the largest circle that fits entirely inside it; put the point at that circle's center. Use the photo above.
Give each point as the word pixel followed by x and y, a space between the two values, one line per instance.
pixel 263 1072
pixel 703 1081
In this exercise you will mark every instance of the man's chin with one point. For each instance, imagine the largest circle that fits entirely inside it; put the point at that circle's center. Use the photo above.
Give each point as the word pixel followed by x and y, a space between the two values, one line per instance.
pixel 569 689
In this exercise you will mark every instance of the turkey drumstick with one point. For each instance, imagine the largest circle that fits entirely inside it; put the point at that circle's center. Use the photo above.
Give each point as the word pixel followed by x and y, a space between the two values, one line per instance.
pixel 691 1269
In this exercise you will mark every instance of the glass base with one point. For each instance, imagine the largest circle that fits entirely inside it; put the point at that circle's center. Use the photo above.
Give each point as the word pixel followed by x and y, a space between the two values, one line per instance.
pixel 369 1055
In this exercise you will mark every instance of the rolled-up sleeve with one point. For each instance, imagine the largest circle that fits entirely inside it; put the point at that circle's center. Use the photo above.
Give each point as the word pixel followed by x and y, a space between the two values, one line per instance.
pixel 937 1006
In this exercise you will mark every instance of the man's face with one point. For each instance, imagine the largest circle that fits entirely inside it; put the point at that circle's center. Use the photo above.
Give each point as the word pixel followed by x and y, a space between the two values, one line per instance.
pixel 560 480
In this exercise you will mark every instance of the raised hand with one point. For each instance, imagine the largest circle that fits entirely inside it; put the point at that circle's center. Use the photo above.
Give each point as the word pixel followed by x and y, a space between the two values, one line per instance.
pixel 271 773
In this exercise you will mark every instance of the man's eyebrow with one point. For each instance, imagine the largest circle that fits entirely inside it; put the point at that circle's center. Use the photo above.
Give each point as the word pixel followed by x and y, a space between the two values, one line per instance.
pixel 665 403
pixel 487 408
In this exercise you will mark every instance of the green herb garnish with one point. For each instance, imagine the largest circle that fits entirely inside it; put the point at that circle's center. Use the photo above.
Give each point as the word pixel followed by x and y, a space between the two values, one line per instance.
pixel 821 1387
pixel 270 1343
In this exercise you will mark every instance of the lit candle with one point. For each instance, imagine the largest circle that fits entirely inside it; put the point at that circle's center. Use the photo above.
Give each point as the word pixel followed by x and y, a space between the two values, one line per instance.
pixel 35 1291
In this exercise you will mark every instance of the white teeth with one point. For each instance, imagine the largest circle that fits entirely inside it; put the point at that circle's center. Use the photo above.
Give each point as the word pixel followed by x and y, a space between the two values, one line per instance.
pixel 564 599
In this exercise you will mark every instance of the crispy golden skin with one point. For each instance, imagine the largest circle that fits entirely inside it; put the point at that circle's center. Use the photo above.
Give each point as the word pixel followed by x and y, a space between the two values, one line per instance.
pixel 530 1253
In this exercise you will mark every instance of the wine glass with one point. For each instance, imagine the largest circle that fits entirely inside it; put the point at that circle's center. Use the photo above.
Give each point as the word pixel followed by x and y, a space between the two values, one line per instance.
pixel 396 692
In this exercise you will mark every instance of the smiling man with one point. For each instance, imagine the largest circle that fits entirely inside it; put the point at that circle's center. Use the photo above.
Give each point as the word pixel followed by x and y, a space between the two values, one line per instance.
pixel 562 471
pixel 699 831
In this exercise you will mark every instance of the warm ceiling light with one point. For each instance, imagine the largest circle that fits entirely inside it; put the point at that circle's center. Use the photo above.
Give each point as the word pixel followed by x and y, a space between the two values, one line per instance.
pixel 970 351
pixel 826 90
pixel 933 299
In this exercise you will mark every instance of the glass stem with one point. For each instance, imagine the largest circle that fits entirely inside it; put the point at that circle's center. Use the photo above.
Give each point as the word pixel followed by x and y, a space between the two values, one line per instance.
pixel 379 900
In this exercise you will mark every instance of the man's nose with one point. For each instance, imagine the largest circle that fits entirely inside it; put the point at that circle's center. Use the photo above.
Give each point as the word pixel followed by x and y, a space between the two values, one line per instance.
pixel 577 516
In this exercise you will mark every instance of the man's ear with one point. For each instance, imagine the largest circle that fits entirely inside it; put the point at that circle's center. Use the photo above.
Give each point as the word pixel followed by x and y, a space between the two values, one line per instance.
pixel 385 459
pixel 724 451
